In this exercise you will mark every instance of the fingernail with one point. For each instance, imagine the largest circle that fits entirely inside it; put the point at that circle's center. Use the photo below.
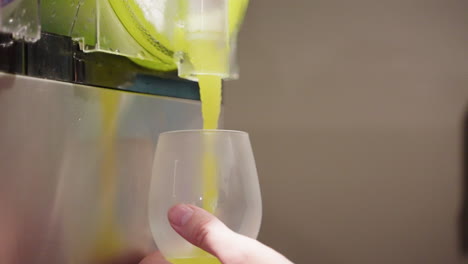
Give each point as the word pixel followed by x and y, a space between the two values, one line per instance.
pixel 180 214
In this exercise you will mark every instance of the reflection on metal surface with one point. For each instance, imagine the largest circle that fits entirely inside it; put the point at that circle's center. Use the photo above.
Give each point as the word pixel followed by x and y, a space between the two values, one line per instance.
pixel 49 169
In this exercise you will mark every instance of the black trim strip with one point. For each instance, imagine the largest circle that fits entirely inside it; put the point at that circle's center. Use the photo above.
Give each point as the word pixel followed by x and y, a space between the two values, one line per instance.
pixel 58 58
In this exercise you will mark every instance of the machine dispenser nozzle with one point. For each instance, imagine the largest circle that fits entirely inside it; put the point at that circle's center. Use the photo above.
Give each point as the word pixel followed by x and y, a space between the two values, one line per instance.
pixel 205 37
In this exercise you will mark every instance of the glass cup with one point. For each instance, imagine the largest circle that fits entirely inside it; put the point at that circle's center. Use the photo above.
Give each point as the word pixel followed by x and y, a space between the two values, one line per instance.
pixel 212 169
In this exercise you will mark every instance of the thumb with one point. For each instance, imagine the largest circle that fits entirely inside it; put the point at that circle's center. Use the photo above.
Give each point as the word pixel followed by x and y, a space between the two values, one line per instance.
pixel 208 233
pixel 203 230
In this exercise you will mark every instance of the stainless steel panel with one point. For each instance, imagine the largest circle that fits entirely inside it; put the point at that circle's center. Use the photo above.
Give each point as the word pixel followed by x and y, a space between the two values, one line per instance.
pixel 54 204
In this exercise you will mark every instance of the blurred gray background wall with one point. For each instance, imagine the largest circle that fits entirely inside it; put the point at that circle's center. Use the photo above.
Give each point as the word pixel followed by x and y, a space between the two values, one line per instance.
pixel 356 113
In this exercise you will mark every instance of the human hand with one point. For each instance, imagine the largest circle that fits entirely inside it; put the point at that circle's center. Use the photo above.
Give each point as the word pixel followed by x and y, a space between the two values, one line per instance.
pixel 208 233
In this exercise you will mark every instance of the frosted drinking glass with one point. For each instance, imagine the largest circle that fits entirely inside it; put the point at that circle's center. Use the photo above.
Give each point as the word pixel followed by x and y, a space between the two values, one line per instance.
pixel 212 169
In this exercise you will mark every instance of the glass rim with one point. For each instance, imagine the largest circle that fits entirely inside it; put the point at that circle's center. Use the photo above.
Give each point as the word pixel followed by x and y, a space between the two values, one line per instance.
pixel 200 131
